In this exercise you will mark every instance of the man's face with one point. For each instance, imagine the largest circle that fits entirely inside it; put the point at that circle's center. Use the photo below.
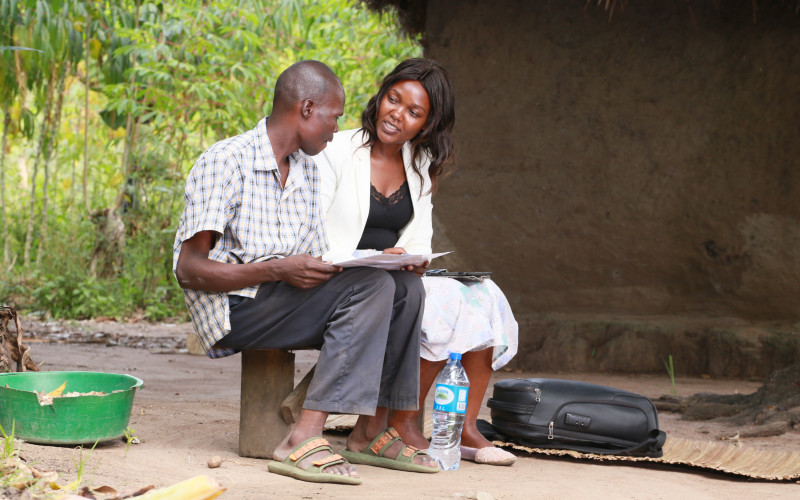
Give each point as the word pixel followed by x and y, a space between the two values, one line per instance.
pixel 317 129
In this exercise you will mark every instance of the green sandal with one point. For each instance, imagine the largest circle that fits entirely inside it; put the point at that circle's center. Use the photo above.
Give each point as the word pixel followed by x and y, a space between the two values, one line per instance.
pixel 373 454
pixel 315 472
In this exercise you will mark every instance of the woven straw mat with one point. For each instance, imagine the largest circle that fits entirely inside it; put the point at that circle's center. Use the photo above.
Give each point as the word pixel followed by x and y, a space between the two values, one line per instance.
pixel 728 457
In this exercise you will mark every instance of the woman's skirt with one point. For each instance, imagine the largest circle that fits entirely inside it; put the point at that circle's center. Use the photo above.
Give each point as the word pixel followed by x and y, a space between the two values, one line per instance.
pixel 467 316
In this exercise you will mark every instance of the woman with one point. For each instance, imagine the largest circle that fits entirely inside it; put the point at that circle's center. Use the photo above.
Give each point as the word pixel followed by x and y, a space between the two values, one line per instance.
pixel 377 183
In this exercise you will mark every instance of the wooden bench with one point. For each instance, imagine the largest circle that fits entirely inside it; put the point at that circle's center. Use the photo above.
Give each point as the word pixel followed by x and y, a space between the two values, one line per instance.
pixel 269 401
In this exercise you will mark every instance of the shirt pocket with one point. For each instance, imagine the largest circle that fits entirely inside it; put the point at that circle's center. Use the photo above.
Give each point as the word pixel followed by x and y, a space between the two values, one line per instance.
pixel 306 238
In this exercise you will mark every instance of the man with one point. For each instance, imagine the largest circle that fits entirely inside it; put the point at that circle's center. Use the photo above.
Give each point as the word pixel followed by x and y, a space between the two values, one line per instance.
pixel 247 254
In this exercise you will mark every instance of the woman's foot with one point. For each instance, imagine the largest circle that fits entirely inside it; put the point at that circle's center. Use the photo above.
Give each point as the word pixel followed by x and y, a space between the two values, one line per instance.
pixel 476 448
pixel 490 455
pixel 471 437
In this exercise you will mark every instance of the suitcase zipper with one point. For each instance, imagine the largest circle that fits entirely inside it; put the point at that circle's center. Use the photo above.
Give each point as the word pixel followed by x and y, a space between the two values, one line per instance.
pixel 550 430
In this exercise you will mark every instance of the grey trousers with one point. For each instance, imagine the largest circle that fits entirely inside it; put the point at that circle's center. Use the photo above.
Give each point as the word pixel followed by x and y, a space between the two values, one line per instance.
pixel 366 324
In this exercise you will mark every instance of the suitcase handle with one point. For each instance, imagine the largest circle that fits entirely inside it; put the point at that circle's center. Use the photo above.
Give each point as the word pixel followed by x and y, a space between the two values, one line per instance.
pixel 512 407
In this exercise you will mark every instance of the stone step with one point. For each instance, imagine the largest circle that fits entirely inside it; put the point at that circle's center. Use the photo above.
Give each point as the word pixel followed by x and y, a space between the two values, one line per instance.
pixel 699 346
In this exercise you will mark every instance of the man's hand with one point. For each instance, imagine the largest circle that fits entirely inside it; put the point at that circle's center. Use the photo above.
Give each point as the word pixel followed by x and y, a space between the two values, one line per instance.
pixel 396 251
pixel 304 271
pixel 196 271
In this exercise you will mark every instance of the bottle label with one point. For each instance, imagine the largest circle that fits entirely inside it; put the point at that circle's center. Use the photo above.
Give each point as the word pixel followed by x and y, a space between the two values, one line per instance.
pixel 450 398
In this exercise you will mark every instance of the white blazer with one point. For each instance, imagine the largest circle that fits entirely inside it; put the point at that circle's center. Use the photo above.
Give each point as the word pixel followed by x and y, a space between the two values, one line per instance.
pixel 344 168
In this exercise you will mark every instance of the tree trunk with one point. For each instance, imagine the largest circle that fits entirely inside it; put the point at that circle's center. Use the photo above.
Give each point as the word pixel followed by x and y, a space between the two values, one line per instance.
pixel 6 122
pixel 130 126
pixel 39 149
pixel 84 180
pixel 72 180
pixel 52 148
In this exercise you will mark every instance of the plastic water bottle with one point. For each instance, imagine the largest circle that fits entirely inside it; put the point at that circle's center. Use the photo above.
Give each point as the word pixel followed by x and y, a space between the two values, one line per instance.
pixel 449 410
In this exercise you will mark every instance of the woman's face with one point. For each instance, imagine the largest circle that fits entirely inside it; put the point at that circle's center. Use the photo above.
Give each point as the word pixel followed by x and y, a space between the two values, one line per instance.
pixel 403 112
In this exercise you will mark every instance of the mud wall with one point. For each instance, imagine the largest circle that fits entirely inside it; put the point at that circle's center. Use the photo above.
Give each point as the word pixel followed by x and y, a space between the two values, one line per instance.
pixel 641 164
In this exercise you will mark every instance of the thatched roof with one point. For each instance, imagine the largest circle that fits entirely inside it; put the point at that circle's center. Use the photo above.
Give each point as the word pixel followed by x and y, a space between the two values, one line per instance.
pixel 410 13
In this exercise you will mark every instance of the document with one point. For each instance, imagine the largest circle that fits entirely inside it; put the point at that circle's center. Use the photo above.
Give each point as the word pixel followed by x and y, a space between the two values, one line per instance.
pixel 390 261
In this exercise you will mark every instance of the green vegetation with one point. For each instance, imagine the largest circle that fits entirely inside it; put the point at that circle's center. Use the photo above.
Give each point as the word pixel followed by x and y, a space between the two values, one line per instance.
pixel 80 465
pixel 8 443
pixel 105 104
pixel 130 438
pixel 671 372
pixel 16 476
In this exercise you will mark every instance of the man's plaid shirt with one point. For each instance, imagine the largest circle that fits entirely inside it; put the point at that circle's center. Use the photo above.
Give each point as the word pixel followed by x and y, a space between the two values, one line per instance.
pixel 234 190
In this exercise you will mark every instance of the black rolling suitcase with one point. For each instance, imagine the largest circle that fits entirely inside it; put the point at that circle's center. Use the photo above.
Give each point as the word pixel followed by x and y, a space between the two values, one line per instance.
pixel 567 414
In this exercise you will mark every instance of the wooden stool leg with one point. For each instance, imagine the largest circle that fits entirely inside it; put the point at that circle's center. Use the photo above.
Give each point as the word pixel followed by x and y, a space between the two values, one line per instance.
pixel 293 404
pixel 267 377
pixel 421 420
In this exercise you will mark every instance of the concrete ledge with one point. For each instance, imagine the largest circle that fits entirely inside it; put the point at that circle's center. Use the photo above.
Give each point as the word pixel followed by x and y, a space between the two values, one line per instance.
pixel 716 347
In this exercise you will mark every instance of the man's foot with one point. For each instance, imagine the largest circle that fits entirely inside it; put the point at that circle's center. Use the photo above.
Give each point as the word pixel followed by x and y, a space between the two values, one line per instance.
pixel 294 445
pixel 407 424
pixel 387 450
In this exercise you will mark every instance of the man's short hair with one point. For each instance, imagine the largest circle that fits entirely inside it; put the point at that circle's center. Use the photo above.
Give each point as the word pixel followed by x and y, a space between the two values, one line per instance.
pixel 304 80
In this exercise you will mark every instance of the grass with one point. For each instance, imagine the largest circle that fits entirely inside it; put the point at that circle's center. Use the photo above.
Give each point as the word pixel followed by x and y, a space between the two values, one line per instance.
pixel 8 442
pixel 16 475
pixel 668 364
pixel 80 465
pixel 130 437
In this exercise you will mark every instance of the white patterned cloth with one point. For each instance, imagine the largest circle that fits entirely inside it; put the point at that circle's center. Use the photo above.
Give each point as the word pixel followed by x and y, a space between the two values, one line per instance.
pixel 467 316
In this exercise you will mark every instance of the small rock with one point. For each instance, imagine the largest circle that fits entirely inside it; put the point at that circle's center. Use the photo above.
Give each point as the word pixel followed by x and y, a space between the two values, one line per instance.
pixel 214 462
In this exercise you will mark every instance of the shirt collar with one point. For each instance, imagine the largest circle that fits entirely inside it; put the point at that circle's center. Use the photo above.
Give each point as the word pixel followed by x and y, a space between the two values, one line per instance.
pixel 265 157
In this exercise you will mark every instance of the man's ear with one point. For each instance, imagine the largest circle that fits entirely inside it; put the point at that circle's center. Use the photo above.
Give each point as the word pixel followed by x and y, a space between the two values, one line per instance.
pixel 306 108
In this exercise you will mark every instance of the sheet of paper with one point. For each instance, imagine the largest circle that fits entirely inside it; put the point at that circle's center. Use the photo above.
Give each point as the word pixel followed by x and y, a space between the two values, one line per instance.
pixel 390 261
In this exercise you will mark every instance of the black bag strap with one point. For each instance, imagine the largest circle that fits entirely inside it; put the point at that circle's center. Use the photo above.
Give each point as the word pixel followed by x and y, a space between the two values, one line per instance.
pixel 511 407
pixel 651 446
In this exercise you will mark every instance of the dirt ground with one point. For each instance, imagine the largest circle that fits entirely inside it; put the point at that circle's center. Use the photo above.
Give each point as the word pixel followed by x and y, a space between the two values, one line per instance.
pixel 187 411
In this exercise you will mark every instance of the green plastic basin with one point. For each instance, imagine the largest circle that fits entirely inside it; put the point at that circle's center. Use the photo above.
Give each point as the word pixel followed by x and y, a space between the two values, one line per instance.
pixel 69 420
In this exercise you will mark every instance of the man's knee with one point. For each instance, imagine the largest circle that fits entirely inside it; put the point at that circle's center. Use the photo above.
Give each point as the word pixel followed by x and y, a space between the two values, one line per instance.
pixel 377 281
pixel 408 286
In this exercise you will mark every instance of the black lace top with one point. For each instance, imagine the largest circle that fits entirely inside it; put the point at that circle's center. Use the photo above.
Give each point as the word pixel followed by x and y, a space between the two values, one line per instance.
pixel 387 216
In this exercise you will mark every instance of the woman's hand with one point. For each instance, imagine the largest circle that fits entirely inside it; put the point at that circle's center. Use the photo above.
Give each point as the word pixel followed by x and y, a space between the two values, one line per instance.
pixel 418 270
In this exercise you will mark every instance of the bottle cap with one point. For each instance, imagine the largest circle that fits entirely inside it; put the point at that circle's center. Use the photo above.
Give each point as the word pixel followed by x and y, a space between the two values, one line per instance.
pixel 455 355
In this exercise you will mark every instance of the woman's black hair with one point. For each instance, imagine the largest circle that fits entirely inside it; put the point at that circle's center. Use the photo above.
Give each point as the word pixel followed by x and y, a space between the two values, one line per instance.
pixel 435 137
